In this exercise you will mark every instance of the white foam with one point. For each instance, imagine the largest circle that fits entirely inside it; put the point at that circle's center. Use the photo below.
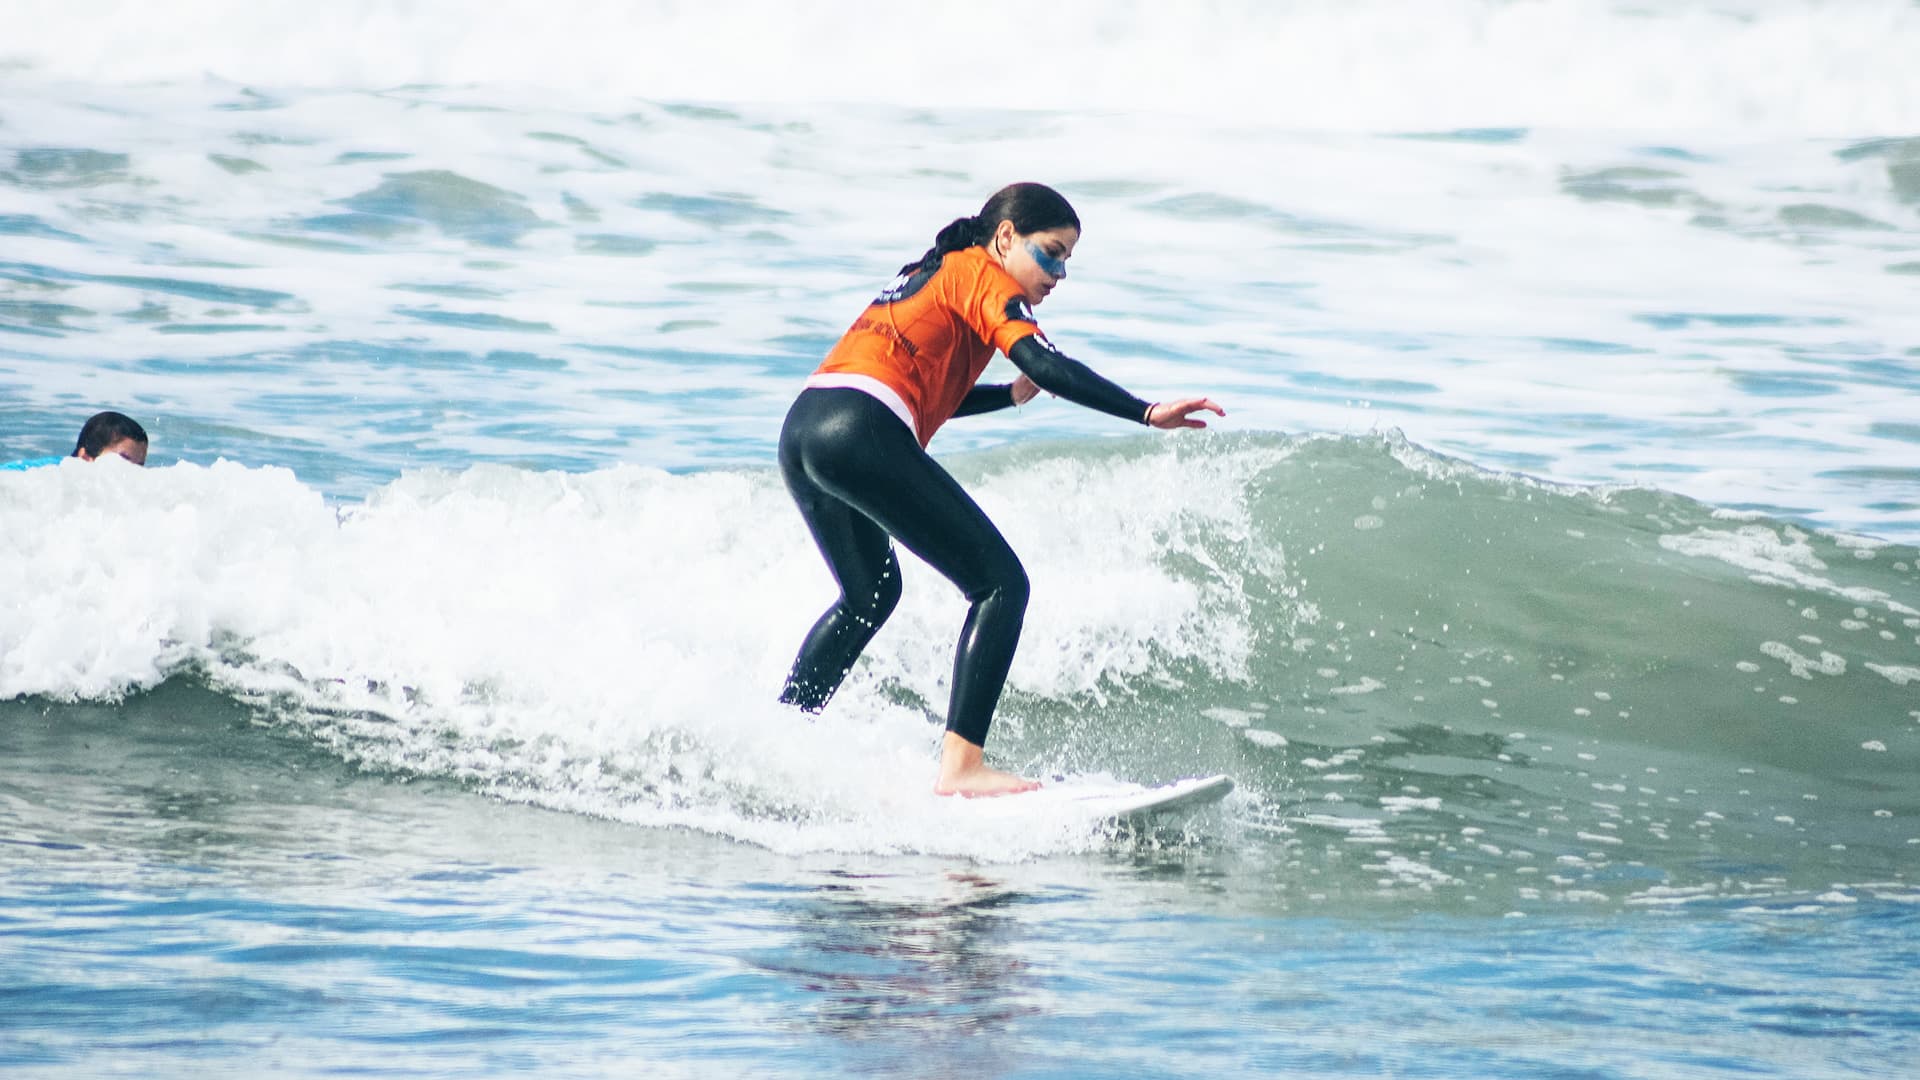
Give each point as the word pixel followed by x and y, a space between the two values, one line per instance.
pixel 1897 674
pixel 1406 871
pixel 1784 558
pixel 609 643
pixel 1803 667
pixel 1233 718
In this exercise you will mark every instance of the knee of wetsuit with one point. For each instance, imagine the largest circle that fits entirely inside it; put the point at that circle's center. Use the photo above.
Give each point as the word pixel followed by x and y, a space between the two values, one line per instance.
pixel 1009 588
pixel 870 607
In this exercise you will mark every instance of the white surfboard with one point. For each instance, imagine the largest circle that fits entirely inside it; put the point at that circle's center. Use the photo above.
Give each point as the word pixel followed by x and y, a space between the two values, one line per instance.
pixel 1106 800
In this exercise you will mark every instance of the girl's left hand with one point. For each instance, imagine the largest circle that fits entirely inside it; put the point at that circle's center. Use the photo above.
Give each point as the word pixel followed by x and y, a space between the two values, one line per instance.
pixel 1024 389
pixel 1168 415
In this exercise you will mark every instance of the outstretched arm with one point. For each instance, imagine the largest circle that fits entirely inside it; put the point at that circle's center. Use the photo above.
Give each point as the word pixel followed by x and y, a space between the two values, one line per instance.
pixel 1057 373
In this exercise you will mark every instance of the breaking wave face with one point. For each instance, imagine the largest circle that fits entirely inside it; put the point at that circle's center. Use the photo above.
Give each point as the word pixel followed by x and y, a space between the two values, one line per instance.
pixel 1366 65
pixel 1426 677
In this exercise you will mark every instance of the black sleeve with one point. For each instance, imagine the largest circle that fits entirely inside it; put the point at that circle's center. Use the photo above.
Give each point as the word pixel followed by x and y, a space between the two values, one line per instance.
pixel 1056 373
pixel 985 399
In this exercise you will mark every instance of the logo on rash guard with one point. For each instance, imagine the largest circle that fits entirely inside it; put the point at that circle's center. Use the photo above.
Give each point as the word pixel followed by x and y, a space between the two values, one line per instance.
pixel 1018 311
pixel 903 286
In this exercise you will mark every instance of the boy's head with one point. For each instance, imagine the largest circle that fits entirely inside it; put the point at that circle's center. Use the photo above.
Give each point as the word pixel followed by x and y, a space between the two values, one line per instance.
pixel 112 433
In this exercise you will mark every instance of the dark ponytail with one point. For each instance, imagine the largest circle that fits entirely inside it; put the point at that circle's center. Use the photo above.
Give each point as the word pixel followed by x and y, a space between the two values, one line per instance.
pixel 1031 207
pixel 960 234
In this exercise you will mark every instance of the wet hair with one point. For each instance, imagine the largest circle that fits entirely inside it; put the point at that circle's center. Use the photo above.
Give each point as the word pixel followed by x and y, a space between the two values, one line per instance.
pixel 104 429
pixel 1031 207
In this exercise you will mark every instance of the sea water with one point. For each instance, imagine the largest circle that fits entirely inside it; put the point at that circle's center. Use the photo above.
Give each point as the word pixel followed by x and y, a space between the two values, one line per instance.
pixel 1551 588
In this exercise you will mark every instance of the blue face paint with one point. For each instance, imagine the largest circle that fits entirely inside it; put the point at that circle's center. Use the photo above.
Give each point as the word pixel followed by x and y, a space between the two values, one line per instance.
pixel 1052 267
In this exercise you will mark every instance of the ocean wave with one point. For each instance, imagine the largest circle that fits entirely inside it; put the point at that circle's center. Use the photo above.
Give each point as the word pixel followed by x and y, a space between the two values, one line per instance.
pixel 1487 653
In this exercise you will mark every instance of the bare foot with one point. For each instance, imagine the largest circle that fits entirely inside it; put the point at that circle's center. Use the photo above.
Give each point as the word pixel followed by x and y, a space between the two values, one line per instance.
pixel 964 772
pixel 983 781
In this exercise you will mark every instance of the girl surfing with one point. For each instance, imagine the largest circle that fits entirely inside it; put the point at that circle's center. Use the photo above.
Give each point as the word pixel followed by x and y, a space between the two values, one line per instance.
pixel 853 454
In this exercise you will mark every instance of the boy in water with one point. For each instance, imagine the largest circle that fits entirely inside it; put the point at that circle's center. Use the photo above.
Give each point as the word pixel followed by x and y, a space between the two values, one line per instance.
pixel 103 433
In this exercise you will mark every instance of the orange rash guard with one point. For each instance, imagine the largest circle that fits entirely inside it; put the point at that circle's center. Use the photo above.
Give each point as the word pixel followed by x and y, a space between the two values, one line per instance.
pixel 929 336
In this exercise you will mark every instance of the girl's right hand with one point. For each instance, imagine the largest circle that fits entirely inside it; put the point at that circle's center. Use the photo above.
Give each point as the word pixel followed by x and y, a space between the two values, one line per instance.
pixel 1168 415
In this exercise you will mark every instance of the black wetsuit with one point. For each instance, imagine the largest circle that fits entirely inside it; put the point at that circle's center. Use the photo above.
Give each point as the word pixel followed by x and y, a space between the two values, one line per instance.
pixel 860 476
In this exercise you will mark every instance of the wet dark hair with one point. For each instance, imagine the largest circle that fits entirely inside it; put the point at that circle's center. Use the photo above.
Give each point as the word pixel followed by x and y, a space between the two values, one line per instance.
pixel 1031 207
pixel 104 429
